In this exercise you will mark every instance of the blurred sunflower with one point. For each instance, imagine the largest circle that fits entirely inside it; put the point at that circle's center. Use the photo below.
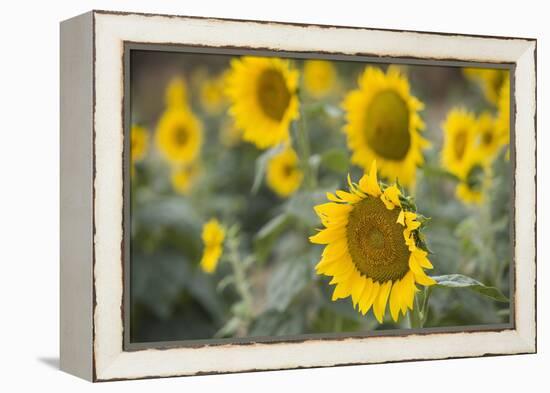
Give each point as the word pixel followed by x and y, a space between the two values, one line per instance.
pixel 212 97
pixel 470 187
pixel 372 248
pixel 175 95
pixel 183 177
pixel 459 136
pixel 383 125
pixel 262 94
pixel 320 77
pixel 284 175
pixel 503 118
pixel 179 135
pixel 213 235
pixel 139 143
pixel 490 80
pixel 488 137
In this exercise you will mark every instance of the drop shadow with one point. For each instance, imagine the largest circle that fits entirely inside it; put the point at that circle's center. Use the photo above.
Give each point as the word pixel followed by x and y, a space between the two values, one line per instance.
pixel 52 362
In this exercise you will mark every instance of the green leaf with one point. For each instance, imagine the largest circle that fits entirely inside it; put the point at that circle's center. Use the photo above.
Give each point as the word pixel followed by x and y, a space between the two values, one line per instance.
pixel 336 160
pixel 266 236
pixel 285 283
pixel 261 165
pixel 461 281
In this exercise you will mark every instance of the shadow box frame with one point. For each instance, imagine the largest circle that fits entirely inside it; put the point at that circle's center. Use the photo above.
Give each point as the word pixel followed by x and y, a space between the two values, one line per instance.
pixel 94 172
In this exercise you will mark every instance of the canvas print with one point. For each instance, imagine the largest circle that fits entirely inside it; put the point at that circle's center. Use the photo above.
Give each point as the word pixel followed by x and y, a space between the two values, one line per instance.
pixel 280 197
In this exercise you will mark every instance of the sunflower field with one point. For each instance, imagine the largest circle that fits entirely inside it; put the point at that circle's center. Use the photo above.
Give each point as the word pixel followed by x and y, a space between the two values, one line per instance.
pixel 281 197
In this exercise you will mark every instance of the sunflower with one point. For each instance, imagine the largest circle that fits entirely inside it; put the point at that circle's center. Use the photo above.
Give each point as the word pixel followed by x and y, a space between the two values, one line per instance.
pixel 263 99
pixel 503 118
pixel 490 80
pixel 179 135
pixel 383 125
pixel 213 235
pixel 459 130
pixel 489 139
pixel 175 95
pixel 320 77
pixel 471 185
pixel 212 97
pixel 373 251
pixel 284 175
pixel 139 142
pixel 183 177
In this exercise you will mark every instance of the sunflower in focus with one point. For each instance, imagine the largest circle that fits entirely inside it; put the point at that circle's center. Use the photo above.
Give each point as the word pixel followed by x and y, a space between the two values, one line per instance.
pixel 284 175
pixel 373 250
pixel 490 80
pixel 179 135
pixel 459 135
pixel 263 100
pixel 383 124
pixel 320 77
pixel 139 143
pixel 183 177
pixel 213 235
pixel 175 95
pixel 212 97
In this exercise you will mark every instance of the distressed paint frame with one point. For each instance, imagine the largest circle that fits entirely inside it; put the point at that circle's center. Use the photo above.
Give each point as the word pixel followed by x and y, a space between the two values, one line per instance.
pixel 102 356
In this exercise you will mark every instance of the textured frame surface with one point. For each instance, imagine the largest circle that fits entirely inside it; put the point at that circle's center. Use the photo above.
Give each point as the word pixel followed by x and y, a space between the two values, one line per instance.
pixel 110 33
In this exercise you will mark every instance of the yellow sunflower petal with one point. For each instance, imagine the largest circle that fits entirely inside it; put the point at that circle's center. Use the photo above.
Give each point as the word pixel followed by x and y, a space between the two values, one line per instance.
pixel 380 302
pixel 401 218
pixel 369 294
pixel 395 300
pixel 369 182
pixel 357 287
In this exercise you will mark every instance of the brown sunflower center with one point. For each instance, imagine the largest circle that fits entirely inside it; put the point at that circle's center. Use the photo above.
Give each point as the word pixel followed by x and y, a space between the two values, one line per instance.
pixel 487 137
pixel 375 241
pixel 180 136
pixel 273 94
pixel 461 139
pixel 387 126
pixel 288 170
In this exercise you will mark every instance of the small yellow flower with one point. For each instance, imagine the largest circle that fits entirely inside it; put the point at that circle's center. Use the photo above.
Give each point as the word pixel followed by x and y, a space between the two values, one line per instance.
pixel 459 130
pixel 139 143
pixel 179 135
pixel 490 80
pixel 372 251
pixel 284 175
pixel 213 235
pixel 263 99
pixel 183 177
pixel 383 124
pixel 176 94
pixel 320 77
pixel 212 96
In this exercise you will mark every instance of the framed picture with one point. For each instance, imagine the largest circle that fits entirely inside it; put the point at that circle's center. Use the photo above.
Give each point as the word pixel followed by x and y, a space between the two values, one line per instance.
pixel 245 195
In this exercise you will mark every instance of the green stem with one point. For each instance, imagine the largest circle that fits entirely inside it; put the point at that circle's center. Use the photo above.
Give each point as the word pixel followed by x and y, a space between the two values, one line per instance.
pixel 415 317
pixel 305 151
pixel 235 261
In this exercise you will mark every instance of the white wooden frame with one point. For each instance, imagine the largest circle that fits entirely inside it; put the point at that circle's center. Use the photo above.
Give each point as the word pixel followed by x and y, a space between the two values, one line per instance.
pixel 92 195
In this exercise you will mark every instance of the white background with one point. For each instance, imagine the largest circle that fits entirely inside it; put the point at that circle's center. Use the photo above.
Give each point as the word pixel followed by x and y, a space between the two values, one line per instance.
pixel 29 196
